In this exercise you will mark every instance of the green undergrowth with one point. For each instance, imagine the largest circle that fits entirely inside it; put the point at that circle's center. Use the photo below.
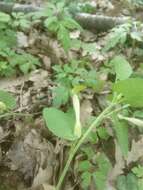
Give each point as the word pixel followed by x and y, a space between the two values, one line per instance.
pixel 120 106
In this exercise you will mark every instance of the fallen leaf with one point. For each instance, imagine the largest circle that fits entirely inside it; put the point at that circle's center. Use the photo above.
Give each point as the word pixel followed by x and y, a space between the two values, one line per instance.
pixel 136 151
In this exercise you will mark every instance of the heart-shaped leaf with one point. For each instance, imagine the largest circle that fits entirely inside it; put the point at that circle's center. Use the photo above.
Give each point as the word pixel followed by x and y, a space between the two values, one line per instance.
pixel 60 123
pixel 132 90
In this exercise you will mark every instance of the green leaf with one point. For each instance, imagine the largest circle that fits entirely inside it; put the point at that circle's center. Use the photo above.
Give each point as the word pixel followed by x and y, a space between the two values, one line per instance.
pixel 7 99
pixel 64 37
pixel 122 68
pixel 52 23
pixel 84 165
pixel 132 183
pixel 100 176
pixel 4 17
pixel 140 184
pixel 61 96
pixel 127 183
pixel 103 133
pixel 132 90
pixel 138 171
pixel 59 123
pixel 86 179
pixel 8 38
pixel 114 39
pixel 121 183
pixel 70 23
pixel 121 130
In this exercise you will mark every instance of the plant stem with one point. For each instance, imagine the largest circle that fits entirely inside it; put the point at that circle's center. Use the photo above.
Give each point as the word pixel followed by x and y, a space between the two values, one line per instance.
pixel 81 140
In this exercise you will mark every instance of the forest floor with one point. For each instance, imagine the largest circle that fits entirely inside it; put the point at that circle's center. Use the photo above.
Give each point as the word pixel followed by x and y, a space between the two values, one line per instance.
pixel 31 156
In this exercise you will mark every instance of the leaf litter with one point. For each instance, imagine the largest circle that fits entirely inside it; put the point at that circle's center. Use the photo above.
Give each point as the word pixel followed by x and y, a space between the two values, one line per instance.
pixel 32 154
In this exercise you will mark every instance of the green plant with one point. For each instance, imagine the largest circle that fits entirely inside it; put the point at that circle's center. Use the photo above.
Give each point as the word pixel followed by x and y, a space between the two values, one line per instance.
pixel 11 62
pixel 7 34
pixel 7 101
pixel 72 131
pixel 76 75
pixel 60 22
pixel 123 35
pixel 21 21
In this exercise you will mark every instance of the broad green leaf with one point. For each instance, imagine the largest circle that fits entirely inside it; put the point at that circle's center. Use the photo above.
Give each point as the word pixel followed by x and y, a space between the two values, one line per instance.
pixel 59 123
pixel 4 17
pixel 132 183
pixel 128 182
pixel 64 37
pixel 122 68
pixel 121 130
pixel 121 183
pixel 7 99
pixel 132 90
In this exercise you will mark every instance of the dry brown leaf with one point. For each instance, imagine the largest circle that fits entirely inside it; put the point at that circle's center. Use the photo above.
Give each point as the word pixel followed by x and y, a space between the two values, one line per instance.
pixel 86 111
pixel 119 165
pixel 136 151
pixel 48 187
pixel 22 40
pixel 39 78
pixel 33 157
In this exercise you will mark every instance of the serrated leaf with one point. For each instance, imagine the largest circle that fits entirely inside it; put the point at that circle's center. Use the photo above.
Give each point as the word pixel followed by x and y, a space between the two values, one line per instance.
pixel 132 90
pixel 64 37
pixel 121 130
pixel 122 68
pixel 59 123
pixel 61 96
pixel 7 99
pixel 114 39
